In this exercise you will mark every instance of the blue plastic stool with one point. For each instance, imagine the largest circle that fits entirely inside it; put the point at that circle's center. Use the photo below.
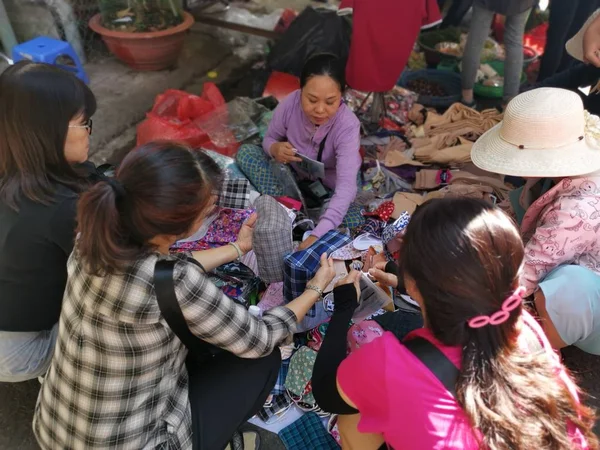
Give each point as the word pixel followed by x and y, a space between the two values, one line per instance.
pixel 47 50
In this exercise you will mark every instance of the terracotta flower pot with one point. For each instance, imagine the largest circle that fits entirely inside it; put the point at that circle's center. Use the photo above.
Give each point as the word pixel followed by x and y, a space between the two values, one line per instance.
pixel 155 50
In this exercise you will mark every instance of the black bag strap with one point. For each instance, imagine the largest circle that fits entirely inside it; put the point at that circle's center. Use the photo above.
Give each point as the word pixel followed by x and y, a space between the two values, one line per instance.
pixel 170 309
pixel 435 360
pixel 321 148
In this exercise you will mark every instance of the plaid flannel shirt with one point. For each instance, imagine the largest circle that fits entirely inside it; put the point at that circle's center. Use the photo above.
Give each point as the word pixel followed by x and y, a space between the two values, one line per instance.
pixel 118 379
pixel 301 266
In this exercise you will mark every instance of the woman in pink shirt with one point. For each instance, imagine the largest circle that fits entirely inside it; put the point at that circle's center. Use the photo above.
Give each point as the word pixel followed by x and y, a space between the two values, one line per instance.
pixel 461 260
pixel 316 123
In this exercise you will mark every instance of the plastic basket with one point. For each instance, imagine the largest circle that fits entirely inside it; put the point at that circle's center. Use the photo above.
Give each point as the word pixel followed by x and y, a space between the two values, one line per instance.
pixel 491 91
pixel 448 80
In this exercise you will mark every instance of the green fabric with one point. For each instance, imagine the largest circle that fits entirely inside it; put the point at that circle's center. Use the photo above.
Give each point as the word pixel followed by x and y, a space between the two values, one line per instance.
pixel 515 196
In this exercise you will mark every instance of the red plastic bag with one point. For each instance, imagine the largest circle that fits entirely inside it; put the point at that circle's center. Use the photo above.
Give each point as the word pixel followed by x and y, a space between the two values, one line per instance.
pixel 173 114
pixel 280 85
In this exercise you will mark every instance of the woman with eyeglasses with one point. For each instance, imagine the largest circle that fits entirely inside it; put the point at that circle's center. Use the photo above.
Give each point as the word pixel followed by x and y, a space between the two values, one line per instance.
pixel 45 124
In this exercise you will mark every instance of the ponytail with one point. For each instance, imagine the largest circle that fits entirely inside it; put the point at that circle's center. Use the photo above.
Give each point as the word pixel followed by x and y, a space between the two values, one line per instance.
pixel 102 238
pixel 160 189
pixel 514 398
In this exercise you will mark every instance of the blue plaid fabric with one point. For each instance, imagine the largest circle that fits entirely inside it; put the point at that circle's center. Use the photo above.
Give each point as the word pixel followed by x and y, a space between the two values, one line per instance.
pixel 301 266
pixel 280 383
pixel 307 432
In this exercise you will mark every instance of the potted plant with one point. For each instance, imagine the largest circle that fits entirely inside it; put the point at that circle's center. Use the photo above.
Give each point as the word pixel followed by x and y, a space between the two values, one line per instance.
pixel 144 34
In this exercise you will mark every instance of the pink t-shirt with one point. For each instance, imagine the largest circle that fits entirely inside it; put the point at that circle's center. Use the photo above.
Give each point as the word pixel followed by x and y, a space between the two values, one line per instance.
pixel 397 396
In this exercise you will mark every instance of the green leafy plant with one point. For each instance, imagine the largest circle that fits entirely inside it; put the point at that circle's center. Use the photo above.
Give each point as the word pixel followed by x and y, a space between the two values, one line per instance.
pixel 139 16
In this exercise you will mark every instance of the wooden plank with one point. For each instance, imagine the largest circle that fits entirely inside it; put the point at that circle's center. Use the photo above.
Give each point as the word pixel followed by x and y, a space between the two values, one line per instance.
pixel 217 22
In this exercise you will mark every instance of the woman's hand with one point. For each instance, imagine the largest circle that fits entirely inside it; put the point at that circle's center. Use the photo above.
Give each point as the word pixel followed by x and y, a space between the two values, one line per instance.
pixel 371 261
pixel 307 242
pixel 284 153
pixel 352 278
pixel 591 43
pixel 386 279
pixel 325 274
pixel 244 238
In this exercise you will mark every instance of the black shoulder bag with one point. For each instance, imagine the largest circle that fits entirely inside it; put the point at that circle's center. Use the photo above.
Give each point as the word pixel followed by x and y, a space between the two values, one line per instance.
pixel 313 191
pixel 200 351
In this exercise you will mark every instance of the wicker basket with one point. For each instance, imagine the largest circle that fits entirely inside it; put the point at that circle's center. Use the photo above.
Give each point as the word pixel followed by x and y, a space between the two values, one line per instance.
pixel 448 80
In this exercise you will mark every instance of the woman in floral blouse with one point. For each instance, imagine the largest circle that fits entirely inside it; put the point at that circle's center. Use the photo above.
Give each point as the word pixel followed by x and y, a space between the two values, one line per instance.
pixel 119 378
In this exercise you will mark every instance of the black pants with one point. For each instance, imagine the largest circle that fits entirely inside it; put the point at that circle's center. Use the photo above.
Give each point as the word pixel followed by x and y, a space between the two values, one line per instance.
pixel 225 392
pixel 566 19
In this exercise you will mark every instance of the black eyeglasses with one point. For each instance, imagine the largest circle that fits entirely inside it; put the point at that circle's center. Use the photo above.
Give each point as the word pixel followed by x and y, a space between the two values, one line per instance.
pixel 87 124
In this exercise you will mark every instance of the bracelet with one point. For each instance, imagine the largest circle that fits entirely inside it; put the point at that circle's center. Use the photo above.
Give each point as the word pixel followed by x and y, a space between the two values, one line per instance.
pixel 238 250
pixel 317 289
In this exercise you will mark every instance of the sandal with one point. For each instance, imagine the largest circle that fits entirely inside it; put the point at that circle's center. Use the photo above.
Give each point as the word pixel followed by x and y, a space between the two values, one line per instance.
pixel 246 440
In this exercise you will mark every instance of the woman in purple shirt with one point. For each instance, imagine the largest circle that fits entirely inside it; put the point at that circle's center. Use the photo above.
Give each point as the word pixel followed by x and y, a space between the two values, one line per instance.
pixel 313 122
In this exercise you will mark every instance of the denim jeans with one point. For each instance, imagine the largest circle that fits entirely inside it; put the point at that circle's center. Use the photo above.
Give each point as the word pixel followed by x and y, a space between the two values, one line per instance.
pixel 513 41
pixel 25 355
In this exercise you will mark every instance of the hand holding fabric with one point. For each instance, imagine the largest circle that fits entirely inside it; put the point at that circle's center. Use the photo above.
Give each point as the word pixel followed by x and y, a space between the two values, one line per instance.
pixel 384 278
pixel 244 238
pixel 347 292
pixel 325 274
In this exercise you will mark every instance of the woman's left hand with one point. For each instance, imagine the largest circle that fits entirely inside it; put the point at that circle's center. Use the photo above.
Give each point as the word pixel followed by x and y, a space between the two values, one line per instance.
pixel 307 242
pixel 244 238
pixel 352 278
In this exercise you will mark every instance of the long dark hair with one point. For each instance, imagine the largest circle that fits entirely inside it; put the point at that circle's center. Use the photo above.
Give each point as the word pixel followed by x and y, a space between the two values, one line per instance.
pixel 324 64
pixel 161 188
pixel 37 101
pixel 465 257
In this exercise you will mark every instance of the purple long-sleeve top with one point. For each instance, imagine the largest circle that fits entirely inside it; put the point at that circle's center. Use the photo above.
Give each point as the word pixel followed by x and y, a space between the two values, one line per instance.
pixel 341 154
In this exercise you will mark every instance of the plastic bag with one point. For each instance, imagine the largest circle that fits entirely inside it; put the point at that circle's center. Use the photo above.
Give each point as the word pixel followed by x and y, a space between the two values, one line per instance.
pixel 314 31
pixel 173 113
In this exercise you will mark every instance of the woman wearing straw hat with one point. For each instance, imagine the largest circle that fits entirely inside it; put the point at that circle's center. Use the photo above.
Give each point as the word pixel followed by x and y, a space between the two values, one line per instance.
pixel 584 47
pixel 548 138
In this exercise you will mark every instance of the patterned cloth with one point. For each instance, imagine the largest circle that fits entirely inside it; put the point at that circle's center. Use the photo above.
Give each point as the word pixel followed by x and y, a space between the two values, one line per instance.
pixel 235 194
pixel 298 381
pixel 392 235
pixel 118 379
pixel 301 266
pixel 222 231
pixel 371 226
pixel 272 238
pixel 307 432
pixel 276 408
pixel 227 164
pixel 347 253
pixel 384 211
pixel 280 383
pixel 272 297
pixel 256 165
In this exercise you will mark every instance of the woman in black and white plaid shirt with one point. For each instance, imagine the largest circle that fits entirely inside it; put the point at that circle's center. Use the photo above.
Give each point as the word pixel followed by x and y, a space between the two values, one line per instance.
pixel 118 378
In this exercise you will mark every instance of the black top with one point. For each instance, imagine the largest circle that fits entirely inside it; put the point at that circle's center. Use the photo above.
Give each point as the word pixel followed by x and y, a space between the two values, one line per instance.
pixel 35 243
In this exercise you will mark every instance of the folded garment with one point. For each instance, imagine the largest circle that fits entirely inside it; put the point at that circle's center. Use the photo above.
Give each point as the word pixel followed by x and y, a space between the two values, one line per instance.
pixel 308 433
pixel 406 202
pixel 430 178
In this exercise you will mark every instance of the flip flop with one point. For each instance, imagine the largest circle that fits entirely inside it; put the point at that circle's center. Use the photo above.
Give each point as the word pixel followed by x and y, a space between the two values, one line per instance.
pixel 247 440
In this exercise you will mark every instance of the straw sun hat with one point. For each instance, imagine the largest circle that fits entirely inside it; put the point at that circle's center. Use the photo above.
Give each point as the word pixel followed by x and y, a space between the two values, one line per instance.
pixel 545 133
